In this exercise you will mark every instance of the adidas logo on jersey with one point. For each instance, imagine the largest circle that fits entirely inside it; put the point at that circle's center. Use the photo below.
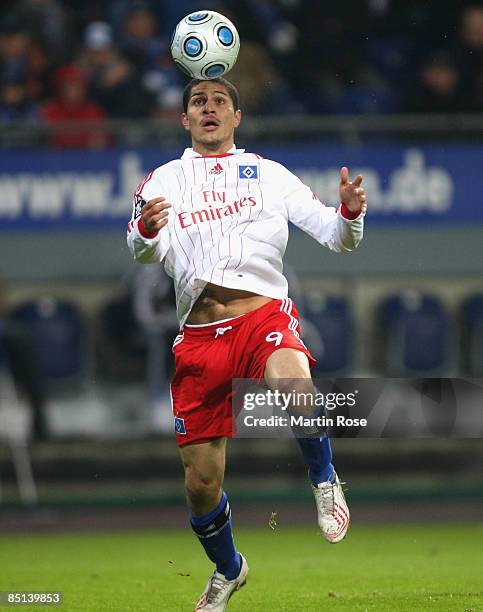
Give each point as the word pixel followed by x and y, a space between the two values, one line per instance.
pixel 218 169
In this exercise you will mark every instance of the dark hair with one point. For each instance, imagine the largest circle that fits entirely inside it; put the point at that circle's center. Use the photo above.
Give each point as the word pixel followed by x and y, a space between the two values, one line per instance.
pixel 232 90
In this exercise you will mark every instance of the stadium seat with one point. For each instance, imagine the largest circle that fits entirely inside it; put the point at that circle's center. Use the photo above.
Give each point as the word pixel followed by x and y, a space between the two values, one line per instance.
pixel 60 336
pixel 414 332
pixel 472 335
pixel 328 331
pixel 121 347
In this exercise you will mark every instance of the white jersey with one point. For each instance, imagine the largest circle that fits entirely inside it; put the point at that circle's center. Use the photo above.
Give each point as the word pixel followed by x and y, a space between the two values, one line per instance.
pixel 228 224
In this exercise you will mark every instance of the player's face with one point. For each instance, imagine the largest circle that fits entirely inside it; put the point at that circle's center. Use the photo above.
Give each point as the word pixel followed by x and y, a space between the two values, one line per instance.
pixel 211 118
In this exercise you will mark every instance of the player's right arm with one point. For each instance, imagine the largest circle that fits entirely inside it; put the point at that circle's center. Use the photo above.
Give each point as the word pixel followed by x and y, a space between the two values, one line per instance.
pixel 147 232
pixel 154 215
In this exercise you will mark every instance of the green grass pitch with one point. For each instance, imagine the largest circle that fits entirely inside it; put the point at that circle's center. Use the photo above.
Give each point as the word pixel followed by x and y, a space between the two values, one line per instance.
pixel 383 568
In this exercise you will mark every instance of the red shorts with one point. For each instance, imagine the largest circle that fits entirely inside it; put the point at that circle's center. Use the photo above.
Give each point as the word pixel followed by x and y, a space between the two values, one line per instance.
pixel 207 358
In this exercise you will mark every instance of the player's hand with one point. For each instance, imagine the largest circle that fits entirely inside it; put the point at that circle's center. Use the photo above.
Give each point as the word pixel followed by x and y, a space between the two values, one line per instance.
pixel 351 193
pixel 154 214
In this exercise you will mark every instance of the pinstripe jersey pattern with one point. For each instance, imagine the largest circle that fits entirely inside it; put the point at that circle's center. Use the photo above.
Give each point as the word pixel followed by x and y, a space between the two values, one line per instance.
pixel 228 224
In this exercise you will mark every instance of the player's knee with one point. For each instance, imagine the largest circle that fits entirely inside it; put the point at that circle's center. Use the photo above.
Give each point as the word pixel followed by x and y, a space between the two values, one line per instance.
pixel 301 394
pixel 201 487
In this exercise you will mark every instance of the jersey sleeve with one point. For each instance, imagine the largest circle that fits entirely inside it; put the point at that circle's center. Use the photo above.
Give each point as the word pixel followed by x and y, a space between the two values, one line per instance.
pixel 335 228
pixel 148 247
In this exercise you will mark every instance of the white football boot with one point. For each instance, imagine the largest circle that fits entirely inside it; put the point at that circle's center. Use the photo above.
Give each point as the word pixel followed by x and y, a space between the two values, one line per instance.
pixel 219 590
pixel 332 510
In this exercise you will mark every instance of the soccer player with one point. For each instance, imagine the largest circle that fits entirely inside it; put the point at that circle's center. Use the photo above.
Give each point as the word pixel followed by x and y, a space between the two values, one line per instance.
pixel 218 219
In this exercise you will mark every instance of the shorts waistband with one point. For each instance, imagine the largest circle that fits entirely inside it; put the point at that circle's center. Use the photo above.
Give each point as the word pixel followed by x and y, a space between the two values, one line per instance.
pixel 209 330
pixel 199 325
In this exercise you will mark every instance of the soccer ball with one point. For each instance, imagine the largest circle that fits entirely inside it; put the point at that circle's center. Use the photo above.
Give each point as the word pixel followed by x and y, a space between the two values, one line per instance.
pixel 205 45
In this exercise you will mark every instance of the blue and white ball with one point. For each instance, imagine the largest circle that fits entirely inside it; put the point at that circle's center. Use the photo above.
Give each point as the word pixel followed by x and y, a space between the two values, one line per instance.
pixel 205 45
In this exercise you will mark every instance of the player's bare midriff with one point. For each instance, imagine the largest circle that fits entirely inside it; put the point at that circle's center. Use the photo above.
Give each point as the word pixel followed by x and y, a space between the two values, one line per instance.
pixel 217 303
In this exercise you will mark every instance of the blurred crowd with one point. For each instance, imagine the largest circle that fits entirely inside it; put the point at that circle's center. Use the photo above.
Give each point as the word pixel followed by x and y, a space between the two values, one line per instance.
pixel 63 60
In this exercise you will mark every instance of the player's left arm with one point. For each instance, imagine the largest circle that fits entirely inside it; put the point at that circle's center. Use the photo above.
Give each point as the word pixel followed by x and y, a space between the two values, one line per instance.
pixel 339 229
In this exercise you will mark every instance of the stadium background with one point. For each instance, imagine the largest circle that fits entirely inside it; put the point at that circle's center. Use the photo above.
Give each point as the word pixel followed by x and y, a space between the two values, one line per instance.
pixel 392 89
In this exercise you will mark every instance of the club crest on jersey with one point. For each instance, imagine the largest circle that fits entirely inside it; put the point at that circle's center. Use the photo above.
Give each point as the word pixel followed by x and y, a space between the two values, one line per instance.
pixel 138 205
pixel 179 427
pixel 248 172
